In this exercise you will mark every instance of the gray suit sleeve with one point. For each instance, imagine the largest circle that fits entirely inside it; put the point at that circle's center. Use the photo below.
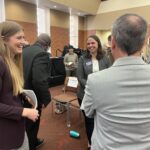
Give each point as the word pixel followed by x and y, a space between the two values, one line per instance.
pixel 88 101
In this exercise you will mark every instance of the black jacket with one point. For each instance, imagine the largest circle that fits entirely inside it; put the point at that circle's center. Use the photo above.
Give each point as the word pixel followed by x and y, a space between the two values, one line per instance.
pixel 36 65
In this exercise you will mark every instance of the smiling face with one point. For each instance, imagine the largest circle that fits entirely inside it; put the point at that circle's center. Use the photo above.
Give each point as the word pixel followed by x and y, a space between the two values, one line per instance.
pixel 16 42
pixel 92 45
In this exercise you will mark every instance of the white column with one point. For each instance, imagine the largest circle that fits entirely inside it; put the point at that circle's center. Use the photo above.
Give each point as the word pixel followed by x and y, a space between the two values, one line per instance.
pixel 2 11
pixel 43 20
pixel 74 30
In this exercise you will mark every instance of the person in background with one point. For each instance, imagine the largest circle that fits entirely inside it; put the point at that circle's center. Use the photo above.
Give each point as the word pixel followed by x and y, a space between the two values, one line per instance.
pixel 146 52
pixel 108 49
pixel 120 103
pixel 36 65
pixel 12 113
pixel 65 50
pixel 70 62
pixel 92 61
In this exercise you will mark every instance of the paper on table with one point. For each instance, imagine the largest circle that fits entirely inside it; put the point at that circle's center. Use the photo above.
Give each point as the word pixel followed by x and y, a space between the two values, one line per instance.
pixel 72 82
pixel 31 95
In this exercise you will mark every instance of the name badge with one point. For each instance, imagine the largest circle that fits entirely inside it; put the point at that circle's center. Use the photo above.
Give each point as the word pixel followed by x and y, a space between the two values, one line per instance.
pixel 88 63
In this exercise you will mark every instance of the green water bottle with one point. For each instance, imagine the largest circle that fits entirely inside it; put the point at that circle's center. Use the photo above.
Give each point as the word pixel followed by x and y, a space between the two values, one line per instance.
pixel 74 134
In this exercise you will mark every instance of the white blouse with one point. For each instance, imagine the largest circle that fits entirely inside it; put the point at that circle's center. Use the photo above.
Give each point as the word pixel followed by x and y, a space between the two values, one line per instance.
pixel 95 65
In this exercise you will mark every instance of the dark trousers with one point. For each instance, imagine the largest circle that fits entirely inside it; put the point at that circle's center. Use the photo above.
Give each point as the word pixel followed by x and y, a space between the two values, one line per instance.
pixel 32 129
pixel 89 124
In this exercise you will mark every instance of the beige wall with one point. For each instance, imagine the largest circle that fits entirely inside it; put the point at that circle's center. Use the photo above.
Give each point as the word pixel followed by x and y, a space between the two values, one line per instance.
pixel 104 21
pixel 24 14
pixel 111 5
pixel 103 35
pixel 21 11
pixel 90 6
pixel 59 19
pixel 82 25
pixel 59 31
pixel 60 37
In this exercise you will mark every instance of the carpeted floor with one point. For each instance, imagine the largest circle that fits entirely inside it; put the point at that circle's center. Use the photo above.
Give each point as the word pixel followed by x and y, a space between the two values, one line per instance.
pixel 55 132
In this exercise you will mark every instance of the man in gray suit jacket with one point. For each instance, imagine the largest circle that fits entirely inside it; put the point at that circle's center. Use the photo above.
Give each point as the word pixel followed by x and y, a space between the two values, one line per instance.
pixel 119 97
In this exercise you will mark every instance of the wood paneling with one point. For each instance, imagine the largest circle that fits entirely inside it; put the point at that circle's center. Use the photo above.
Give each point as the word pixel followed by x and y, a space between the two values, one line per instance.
pixel 30 30
pixel 60 37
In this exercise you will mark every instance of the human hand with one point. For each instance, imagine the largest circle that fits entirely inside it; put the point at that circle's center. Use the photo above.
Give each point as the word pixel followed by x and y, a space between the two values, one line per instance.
pixel 30 113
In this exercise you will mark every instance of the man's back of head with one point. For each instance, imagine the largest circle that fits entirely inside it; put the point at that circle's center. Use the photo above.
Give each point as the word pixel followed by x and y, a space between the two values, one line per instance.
pixel 44 40
pixel 129 32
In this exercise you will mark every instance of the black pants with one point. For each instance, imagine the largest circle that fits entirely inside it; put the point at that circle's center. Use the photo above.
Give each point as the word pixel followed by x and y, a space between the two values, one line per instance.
pixel 32 129
pixel 89 124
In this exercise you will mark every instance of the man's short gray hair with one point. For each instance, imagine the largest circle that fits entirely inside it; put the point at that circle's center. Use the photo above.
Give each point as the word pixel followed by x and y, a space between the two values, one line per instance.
pixel 129 32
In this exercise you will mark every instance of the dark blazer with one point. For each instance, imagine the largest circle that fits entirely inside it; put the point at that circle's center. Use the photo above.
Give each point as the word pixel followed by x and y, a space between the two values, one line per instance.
pixel 36 65
pixel 12 127
pixel 85 68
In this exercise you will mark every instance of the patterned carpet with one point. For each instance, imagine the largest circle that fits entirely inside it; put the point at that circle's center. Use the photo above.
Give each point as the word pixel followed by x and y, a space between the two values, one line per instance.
pixel 55 132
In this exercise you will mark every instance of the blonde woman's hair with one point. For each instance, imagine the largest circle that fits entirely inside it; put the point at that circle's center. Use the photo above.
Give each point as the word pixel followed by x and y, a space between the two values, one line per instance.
pixel 146 52
pixel 8 29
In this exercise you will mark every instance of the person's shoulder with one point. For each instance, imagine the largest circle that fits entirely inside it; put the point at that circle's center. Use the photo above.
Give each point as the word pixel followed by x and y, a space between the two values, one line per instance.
pixel 42 54
pixel 67 54
pixel 84 57
pixel 33 48
pixel 100 75
pixel 81 59
pixel 75 54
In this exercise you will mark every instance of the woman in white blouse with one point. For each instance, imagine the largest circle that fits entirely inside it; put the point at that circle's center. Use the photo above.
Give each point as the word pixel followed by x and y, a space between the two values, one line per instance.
pixel 92 61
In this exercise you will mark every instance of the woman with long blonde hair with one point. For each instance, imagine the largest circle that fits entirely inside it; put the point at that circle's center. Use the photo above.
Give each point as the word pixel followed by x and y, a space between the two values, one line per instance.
pixel 12 113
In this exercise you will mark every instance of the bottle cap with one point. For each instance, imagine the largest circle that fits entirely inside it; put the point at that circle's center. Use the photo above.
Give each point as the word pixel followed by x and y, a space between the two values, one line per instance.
pixel 74 134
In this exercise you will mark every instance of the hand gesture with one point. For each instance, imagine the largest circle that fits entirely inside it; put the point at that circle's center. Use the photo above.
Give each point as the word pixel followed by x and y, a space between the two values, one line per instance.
pixel 30 113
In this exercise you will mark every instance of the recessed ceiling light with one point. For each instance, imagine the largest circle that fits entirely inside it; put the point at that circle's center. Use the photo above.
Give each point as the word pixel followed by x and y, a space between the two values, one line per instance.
pixel 55 6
